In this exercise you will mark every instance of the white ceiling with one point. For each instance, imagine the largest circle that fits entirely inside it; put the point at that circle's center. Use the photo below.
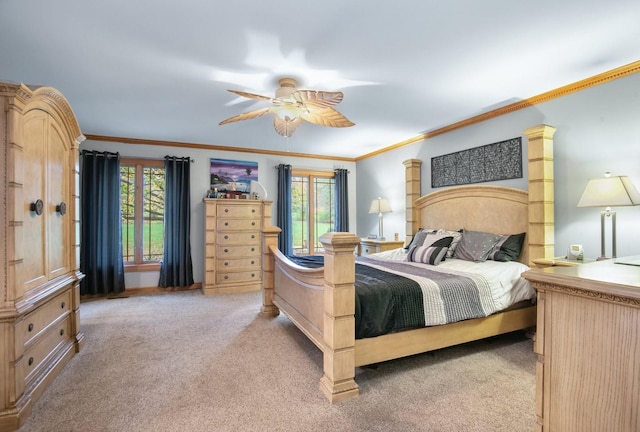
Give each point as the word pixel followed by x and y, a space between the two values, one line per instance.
pixel 159 69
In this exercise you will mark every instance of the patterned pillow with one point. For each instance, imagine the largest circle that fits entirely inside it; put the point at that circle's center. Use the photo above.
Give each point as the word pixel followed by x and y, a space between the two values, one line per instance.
pixel 457 235
pixel 508 248
pixel 418 238
pixel 475 245
pixel 433 250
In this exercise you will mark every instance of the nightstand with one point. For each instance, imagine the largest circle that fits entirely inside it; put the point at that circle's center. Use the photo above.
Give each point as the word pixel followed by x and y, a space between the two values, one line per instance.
pixel 370 246
pixel 560 262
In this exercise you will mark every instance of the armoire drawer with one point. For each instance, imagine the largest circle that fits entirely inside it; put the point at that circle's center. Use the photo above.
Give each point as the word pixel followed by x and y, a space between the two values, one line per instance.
pixel 243 276
pixel 224 224
pixel 38 320
pixel 249 263
pixel 238 238
pixel 36 354
pixel 238 211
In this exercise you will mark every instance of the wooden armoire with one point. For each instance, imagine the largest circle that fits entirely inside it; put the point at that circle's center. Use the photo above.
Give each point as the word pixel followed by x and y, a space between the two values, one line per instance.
pixel 39 258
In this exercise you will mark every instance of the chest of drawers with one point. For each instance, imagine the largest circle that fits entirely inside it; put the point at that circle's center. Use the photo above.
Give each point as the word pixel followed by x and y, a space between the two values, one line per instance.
pixel 233 244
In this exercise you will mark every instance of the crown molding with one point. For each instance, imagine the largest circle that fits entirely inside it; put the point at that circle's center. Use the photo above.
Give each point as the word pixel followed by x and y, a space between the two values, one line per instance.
pixel 593 81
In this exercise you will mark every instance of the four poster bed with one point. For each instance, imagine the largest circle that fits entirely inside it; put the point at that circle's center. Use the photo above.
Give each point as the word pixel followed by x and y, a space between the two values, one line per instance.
pixel 325 304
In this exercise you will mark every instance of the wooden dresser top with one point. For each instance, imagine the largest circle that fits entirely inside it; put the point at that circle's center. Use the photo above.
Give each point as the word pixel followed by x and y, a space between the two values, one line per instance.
pixel 606 277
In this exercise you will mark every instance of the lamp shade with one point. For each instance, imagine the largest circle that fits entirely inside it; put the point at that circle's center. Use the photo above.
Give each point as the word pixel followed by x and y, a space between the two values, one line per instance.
pixel 380 205
pixel 615 191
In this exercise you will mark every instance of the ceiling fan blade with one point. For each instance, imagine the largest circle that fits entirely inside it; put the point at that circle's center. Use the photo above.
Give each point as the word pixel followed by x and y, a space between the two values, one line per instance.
pixel 286 128
pixel 246 116
pixel 251 95
pixel 316 98
pixel 327 117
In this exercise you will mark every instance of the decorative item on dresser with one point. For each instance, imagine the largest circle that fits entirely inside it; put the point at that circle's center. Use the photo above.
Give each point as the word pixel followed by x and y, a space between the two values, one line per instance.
pixel 588 346
pixel 370 246
pixel 39 295
pixel 233 244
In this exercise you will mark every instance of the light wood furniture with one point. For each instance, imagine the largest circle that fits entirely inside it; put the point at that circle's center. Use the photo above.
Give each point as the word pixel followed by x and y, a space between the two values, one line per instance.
pixel 588 346
pixel 233 244
pixel 560 262
pixel 321 302
pixel 39 277
pixel 370 246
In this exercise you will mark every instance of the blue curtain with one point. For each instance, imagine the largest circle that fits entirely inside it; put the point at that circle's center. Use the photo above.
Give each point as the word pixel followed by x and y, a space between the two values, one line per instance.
pixel 177 268
pixel 342 200
pixel 283 210
pixel 100 221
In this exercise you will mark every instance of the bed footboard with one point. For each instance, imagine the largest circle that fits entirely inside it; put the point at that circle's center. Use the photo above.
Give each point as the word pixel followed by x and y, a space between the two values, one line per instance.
pixel 320 302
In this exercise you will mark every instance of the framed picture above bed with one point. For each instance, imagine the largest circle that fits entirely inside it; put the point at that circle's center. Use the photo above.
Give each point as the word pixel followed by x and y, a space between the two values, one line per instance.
pixel 498 161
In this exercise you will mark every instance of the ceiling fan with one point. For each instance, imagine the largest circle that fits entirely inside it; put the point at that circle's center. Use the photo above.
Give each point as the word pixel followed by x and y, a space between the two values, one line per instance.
pixel 291 106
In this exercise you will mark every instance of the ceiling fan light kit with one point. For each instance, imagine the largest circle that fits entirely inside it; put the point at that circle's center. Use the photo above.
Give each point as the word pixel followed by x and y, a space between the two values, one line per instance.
pixel 291 107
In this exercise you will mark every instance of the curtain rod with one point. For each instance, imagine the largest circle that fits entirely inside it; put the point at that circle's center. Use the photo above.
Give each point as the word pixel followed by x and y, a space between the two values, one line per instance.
pixel 277 166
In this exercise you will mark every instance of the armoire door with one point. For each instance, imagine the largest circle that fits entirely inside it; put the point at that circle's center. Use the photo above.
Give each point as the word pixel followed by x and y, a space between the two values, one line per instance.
pixel 32 271
pixel 58 171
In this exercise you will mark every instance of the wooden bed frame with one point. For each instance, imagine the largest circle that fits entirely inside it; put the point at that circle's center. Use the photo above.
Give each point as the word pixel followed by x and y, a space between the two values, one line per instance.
pixel 321 302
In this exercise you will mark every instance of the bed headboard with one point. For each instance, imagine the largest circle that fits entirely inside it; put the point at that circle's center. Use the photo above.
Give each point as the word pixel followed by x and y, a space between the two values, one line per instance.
pixel 493 209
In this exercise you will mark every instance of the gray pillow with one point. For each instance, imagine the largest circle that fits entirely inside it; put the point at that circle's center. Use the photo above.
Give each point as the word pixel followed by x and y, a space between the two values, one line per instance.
pixel 418 238
pixel 457 235
pixel 475 245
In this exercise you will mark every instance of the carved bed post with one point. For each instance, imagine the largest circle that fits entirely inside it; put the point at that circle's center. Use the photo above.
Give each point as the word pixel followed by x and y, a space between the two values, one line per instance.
pixel 338 382
pixel 269 238
pixel 541 197
pixel 412 179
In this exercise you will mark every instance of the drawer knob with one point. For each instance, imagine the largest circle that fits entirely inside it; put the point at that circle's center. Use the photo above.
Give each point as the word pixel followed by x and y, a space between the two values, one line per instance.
pixel 253 249
pixel 253 262
pixel 226 237
pixel 226 250
pixel 226 263
pixel 226 277
pixel 62 305
pixel 253 210
pixel 61 332
pixel 30 361
pixel 226 224
pixel 30 327
pixel 253 275
pixel 62 208
pixel 253 223
pixel 253 236
pixel 37 207
pixel 226 210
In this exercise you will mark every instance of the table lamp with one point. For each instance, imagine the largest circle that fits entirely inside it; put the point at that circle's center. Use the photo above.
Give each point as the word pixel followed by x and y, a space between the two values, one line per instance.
pixel 380 205
pixel 609 191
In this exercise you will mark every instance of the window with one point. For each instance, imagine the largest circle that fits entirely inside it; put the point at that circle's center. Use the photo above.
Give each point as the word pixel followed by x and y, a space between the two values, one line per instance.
pixel 312 205
pixel 142 204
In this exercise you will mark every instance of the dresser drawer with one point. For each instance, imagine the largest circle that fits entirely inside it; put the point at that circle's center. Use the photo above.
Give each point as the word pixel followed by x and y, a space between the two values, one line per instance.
pixel 35 355
pixel 238 211
pixel 243 276
pixel 239 238
pixel 244 251
pixel 36 321
pixel 250 263
pixel 225 224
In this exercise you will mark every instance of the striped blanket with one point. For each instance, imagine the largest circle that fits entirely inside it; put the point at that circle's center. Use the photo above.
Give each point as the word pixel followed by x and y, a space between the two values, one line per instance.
pixel 396 295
